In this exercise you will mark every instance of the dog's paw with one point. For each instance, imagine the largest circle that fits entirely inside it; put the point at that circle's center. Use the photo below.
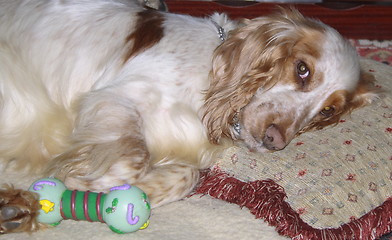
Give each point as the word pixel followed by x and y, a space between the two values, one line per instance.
pixel 9 218
pixel 18 211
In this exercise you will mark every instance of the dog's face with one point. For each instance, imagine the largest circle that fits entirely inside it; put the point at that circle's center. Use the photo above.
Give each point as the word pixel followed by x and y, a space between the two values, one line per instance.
pixel 279 76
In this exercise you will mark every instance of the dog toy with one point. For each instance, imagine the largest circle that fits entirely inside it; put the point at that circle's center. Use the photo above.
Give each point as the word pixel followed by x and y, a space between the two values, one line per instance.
pixel 124 209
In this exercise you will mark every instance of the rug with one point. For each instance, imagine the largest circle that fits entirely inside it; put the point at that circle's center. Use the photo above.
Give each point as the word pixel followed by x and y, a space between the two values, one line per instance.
pixel 380 51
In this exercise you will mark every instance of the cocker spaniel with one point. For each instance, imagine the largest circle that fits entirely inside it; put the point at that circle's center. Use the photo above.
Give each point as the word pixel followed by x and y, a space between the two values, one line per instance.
pixel 101 93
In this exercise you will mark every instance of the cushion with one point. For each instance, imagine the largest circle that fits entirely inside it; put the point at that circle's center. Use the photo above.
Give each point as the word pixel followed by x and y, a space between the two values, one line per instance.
pixel 336 181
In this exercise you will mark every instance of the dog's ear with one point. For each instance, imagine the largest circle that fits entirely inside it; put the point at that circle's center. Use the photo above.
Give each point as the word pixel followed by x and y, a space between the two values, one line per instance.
pixel 231 87
pixel 236 75
pixel 251 58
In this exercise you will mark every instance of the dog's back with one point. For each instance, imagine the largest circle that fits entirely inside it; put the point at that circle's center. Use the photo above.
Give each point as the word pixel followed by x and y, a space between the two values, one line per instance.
pixel 53 53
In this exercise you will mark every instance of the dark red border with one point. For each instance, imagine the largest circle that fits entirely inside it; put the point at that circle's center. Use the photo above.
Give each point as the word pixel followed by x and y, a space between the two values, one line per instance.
pixel 361 22
pixel 266 200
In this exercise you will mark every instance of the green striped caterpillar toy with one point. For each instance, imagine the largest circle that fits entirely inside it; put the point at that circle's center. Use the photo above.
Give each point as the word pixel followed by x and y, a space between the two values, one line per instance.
pixel 124 209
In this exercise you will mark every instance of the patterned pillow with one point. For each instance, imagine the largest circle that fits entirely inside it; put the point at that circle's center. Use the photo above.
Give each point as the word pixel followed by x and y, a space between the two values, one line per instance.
pixel 330 179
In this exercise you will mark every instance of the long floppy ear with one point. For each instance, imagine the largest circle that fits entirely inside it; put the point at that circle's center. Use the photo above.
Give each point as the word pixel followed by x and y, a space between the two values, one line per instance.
pixel 250 59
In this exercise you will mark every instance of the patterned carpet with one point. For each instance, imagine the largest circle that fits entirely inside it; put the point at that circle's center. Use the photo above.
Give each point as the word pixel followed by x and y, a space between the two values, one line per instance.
pixel 376 50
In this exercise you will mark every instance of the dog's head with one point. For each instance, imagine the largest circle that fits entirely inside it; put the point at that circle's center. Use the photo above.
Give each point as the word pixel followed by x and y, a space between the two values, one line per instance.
pixel 278 76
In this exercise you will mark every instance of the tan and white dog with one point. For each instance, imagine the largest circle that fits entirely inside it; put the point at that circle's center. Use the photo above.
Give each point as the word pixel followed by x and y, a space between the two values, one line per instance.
pixel 100 93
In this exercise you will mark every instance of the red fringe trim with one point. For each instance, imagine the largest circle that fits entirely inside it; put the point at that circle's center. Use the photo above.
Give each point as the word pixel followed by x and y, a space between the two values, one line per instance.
pixel 266 200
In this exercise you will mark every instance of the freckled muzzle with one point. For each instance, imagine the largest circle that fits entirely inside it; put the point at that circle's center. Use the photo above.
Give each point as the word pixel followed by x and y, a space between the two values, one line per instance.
pixel 269 126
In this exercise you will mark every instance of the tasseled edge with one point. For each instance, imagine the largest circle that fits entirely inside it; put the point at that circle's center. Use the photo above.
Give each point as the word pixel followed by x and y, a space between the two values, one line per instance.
pixel 266 200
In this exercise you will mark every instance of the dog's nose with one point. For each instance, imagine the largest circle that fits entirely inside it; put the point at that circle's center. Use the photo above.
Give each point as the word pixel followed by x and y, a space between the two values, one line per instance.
pixel 273 138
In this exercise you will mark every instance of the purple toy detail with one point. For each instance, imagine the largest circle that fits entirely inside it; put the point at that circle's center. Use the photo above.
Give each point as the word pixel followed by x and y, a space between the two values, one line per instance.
pixel 130 219
pixel 122 187
pixel 38 185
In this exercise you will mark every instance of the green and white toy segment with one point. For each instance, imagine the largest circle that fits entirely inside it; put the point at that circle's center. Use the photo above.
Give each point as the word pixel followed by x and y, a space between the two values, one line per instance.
pixel 124 209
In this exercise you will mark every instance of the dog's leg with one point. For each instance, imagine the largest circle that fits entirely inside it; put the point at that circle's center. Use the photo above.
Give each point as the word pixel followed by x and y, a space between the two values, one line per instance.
pixel 162 183
pixel 18 210
pixel 99 167
pixel 107 140
pixel 168 183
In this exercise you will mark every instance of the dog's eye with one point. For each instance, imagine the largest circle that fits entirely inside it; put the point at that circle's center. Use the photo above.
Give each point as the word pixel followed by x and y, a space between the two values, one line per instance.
pixel 328 111
pixel 303 74
pixel 302 70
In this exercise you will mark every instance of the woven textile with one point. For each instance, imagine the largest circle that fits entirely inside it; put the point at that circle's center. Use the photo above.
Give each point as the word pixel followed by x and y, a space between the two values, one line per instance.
pixel 376 50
